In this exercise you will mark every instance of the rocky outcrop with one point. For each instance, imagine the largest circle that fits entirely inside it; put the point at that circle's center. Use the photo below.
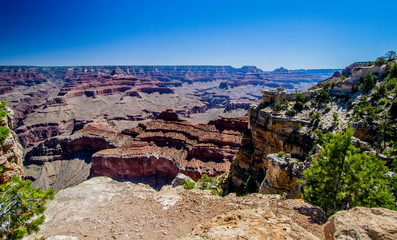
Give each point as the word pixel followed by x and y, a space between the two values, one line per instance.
pixel 243 224
pixel 362 223
pixel 282 174
pixel 64 161
pixel 104 208
pixel 169 145
pixel 11 153
pixel 269 133
pixel 29 135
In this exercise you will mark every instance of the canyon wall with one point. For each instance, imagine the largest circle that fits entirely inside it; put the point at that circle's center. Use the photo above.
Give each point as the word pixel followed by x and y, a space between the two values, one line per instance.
pixel 11 152
pixel 256 166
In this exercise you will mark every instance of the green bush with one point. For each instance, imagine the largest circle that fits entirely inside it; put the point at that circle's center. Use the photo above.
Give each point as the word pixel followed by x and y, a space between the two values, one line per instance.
pixel 323 97
pixel 207 183
pixel 189 184
pixel 335 117
pixel 391 84
pixel 281 154
pixel 4 131
pixel 278 107
pixel 291 113
pixel 368 82
pixel 300 97
pixel 341 177
pixel 327 108
pixel 316 117
pixel 393 70
pixel 19 204
pixel 298 106
pixel 285 101
pixel 382 101
pixel 380 61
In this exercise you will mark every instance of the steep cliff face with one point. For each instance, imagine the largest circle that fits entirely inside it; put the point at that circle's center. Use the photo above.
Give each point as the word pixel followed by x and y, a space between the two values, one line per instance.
pixel 64 161
pixel 11 153
pixel 154 152
pixel 169 145
pixel 268 134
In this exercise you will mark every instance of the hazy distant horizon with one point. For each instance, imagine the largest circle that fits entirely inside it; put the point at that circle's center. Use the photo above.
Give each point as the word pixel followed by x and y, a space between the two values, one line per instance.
pixel 292 34
pixel 77 66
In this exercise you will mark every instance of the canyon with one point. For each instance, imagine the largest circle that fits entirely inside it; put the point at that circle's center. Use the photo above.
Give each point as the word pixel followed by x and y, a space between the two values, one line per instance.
pixel 52 101
pixel 80 122
pixel 97 165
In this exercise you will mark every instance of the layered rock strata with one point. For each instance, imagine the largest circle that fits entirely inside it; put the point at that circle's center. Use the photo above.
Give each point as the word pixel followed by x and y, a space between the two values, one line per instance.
pixel 168 145
pixel 270 133
pixel 11 153
pixel 154 152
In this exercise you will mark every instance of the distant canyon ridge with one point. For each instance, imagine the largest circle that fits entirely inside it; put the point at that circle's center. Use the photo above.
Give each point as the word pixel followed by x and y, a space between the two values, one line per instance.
pixel 65 116
pixel 50 101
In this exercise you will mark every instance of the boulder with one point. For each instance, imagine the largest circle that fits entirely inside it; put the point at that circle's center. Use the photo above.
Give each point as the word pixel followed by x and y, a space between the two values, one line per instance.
pixel 180 179
pixel 362 223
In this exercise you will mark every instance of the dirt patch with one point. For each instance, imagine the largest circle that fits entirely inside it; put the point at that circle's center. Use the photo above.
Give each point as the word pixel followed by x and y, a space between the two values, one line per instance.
pixel 101 208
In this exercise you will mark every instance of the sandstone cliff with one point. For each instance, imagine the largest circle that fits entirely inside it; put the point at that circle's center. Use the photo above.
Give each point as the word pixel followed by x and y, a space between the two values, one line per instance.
pixel 11 153
pixel 268 134
pixel 169 145
pixel 154 152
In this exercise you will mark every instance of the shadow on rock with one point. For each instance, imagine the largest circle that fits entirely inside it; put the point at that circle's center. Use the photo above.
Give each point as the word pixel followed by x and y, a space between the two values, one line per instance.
pixel 315 214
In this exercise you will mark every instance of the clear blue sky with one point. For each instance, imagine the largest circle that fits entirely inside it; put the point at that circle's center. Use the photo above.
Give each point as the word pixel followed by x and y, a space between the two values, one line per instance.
pixel 293 34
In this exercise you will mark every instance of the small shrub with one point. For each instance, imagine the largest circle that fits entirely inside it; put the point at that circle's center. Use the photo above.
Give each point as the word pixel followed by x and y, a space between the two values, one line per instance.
pixel 300 97
pixel 285 101
pixel 4 131
pixel 19 204
pixel 380 61
pixel 368 82
pixel 281 154
pixel 291 113
pixel 316 117
pixel 335 117
pixel 382 101
pixel 299 127
pixel 393 70
pixel 261 105
pixel 278 107
pixel 206 182
pixel 298 106
pixel 189 184
pixel 391 84
pixel 327 108
pixel 323 97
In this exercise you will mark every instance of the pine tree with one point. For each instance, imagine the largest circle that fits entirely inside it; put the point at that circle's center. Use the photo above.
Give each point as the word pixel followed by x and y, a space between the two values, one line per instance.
pixel 19 202
pixel 341 177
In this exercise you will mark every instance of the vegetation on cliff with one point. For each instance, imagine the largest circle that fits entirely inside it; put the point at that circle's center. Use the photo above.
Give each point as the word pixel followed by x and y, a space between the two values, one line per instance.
pixel 19 202
pixel 4 131
pixel 341 177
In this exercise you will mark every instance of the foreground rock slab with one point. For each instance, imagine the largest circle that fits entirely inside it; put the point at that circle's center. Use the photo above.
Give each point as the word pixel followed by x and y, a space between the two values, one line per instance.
pixel 102 208
pixel 259 223
pixel 362 223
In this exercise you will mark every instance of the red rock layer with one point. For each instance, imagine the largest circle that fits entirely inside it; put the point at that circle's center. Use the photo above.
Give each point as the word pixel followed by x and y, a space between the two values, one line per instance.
pixel 169 145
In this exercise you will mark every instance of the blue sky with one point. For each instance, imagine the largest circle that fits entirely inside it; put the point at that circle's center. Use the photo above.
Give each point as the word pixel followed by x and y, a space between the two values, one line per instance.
pixel 293 34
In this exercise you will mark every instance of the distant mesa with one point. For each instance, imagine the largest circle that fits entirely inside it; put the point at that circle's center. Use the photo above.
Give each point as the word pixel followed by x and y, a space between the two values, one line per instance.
pixel 280 70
